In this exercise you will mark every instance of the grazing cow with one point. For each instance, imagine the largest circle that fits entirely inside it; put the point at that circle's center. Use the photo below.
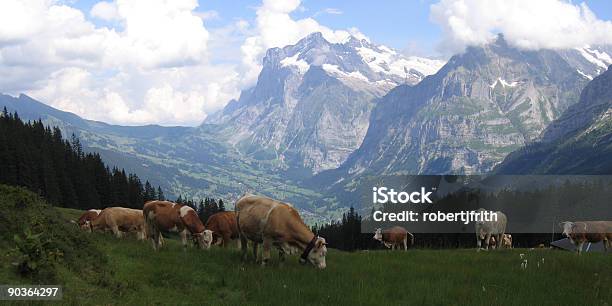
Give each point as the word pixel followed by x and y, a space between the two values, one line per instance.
pixel 394 237
pixel 167 216
pixel 86 218
pixel 273 223
pixel 486 229
pixel 224 228
pixel 580 232
pixel 507 241
pixel 492 242
pixel 120 220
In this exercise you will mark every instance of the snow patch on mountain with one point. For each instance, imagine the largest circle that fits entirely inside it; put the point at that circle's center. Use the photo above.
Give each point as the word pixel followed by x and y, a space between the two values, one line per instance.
pixel 598 58
pixel 504 83
pixel 300 64
pixel 586 76
pixel 384 60
pixel 334 70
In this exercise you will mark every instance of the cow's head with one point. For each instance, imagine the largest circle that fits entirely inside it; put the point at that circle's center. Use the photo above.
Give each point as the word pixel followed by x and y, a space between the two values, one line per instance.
pixel 85 225
pixel 378 234
pixel 317 255
pixel 568 227
pixel 204 239
pixel 482 234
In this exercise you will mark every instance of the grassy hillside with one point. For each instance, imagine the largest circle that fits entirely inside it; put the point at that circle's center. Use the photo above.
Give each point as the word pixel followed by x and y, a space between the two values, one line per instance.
pixel 99 269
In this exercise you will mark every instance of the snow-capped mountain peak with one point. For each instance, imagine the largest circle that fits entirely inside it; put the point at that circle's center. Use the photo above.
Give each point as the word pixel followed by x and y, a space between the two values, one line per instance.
pixel 354 58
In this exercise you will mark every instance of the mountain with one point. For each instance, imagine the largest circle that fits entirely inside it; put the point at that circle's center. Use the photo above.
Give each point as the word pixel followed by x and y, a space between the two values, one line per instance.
pixel 188 161
pixel 482 105
pixel 311 105
pixel 579 142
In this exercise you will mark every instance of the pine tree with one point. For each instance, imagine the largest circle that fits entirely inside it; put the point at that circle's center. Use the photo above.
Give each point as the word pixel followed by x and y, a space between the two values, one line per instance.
pixel 160 194
pixel 149 192
pixel 221 205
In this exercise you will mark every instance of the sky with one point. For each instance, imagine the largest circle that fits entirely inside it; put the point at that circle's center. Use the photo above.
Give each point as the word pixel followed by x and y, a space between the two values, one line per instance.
pixel 173 62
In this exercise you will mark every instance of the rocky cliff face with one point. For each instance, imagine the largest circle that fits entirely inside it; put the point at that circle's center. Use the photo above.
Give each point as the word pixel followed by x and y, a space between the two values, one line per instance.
pixel 579 142
pixel 466 118
pixel 311 105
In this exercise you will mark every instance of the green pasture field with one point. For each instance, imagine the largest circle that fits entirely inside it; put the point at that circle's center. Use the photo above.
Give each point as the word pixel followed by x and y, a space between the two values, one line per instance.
pixel 128 272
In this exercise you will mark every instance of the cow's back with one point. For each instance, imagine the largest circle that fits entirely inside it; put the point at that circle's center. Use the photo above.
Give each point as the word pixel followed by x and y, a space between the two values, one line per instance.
pixel 126 219
pixel 493 227
pixel 165 215
pixel 257 215
pixel 394 234
pixel 223 223
pixel 250 214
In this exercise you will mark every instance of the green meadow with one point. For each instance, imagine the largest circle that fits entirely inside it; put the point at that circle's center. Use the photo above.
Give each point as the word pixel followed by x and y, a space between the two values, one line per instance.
pixel 98 269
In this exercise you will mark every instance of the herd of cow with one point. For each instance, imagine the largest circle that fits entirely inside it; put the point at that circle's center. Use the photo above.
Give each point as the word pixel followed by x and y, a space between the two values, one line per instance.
pixel 257 219
pixel 272 223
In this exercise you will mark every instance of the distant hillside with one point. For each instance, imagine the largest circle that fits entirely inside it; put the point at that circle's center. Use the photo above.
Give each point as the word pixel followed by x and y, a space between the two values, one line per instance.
pixel 579 142
pixel 40 159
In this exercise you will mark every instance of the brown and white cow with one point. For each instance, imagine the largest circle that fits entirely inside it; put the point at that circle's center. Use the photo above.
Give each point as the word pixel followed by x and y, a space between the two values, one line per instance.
pixel 120 220
pixel 273 223
pixel 86 218
pixel 167 216
pixel 507 241
pixel 394 237
pixel 224 228
pixel 581 232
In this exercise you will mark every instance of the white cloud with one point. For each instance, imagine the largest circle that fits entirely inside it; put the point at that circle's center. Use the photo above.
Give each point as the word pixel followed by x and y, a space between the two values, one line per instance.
pixel 20 19
pixel 329 10
pixel 105 11
pixel 155 69
pixel 208 15
pixel 525 23
pixel 276 28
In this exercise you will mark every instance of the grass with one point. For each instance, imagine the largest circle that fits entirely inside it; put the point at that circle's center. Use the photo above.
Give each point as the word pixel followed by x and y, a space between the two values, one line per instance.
pixel 130 273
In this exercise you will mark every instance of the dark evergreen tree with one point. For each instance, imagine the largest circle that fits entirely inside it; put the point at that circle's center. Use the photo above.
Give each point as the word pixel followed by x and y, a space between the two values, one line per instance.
pixel 160 194
pixel 38 158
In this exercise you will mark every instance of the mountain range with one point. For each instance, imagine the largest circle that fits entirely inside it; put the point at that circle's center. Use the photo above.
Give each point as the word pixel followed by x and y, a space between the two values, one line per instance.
pixel 322 116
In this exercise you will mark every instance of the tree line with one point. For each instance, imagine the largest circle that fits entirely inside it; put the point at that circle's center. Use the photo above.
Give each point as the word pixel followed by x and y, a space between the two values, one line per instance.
pixel 205 207
pixel 37 157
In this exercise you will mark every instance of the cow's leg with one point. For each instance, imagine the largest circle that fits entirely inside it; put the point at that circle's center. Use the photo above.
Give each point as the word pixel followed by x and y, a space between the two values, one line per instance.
pixel 226 239
pixel 255 251
pixel 478 242
pixel 487 239
pixel 281 251
pixel 243 242
pixel 116 231
pixel 579 246
pixel 499 241
pixel 184 239
pixel 267 245
pixel 406 244
pixel 155 239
